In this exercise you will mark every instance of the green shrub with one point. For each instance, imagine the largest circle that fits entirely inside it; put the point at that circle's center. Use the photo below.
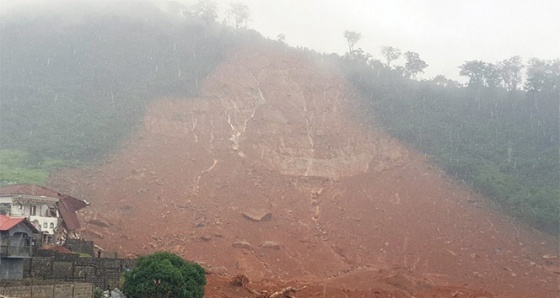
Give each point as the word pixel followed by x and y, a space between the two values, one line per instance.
pixel 164 274
pixel 97 292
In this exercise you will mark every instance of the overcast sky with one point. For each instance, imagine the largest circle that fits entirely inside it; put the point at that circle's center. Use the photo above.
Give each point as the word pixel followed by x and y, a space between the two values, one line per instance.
pixel 444 32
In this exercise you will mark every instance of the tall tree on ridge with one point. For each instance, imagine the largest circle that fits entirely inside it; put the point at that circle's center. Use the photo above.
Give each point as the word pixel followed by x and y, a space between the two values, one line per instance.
pixel 390 54
pixel 510 72
pixel 414 65
pixel 352 37
pixel 238 14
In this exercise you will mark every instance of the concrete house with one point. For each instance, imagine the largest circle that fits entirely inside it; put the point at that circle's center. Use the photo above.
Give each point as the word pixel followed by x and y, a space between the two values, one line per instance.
pixel 16 234
pixel 52 213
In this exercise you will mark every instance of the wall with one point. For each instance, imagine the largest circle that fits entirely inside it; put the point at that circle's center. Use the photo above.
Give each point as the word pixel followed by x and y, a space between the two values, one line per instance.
pixel 80 246
pixel 67 290
pixel 11 268
pixel 102 272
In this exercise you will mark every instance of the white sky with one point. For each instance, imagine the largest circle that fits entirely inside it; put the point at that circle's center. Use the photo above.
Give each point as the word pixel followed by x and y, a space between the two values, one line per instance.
pixel 444 32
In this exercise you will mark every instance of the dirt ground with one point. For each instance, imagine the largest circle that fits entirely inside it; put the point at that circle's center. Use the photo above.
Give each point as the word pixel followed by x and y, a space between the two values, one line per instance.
pixel 268 174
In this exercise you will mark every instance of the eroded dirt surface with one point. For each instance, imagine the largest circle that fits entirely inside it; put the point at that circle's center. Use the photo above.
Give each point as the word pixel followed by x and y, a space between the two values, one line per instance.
pixel 346 210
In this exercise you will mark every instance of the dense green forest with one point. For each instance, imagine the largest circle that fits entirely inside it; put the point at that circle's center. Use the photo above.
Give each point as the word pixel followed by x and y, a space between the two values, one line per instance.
pixel 500 139
pixel 70 92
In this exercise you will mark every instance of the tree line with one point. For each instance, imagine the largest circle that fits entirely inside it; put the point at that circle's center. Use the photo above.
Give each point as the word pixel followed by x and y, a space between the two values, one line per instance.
pixel 71 92
pixel 499 132
pixel 74 92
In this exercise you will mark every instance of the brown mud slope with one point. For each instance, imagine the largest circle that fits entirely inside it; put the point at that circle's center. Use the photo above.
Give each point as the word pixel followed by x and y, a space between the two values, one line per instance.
pixel 268 175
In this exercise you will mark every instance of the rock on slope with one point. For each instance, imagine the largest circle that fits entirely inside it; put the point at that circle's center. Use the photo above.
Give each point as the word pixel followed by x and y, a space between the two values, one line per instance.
pixel 267 174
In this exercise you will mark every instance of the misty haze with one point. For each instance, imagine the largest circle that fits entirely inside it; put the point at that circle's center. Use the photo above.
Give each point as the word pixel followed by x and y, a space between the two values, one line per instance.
pixel 269 161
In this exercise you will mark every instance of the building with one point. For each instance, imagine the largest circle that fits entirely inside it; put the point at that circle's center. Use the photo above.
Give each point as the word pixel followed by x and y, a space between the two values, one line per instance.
pixel 50 212
pixel 16 239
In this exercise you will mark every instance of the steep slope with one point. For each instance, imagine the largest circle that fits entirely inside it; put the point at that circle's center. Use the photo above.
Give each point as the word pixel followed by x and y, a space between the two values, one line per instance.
pixel 267 174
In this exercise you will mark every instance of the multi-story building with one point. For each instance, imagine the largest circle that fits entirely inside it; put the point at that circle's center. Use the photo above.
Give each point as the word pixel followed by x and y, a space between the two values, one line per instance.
pixel 50 212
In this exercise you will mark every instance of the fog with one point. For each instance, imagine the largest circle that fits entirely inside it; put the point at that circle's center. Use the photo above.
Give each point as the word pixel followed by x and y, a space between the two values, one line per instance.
pixel 302 158
pixel 444 33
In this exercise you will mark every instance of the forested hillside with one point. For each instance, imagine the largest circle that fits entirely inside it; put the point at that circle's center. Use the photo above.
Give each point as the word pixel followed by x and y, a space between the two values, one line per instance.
pixel 71 92
pixel 503 143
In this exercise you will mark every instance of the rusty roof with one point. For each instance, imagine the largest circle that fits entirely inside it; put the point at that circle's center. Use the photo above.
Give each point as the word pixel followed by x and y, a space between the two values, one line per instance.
pixel 8 222
pixel 67 205
pixel 28 189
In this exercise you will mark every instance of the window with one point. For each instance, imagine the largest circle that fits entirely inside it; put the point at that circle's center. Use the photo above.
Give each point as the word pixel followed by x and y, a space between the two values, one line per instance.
pixel 33 210
pixel 5 208
pixel 45 225
pixel 51 225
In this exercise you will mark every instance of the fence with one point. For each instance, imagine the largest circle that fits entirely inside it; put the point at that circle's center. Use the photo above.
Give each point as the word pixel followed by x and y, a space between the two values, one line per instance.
pixel 66 290
pixel 101 272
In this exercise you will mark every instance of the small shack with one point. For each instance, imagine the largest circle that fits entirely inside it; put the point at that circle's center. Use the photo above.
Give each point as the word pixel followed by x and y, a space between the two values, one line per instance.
pixel 16 240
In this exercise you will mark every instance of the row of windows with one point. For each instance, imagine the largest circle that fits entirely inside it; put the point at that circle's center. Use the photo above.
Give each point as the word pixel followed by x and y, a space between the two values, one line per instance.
pixel 46 225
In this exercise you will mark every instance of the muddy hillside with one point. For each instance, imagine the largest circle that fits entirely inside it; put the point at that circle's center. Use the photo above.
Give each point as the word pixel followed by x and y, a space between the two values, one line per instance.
pixel 269 174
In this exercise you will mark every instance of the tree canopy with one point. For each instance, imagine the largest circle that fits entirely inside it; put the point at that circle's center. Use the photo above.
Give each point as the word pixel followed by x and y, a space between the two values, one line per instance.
pixel 352 38
pixel 164 274
pixel 501 141
pixel 390 54
pixel 238 15
pixel 414 65
pixel 510 72
pixel 206 10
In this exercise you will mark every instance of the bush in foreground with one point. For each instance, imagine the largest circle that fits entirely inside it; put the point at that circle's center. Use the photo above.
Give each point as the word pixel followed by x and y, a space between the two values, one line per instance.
pixel 164 274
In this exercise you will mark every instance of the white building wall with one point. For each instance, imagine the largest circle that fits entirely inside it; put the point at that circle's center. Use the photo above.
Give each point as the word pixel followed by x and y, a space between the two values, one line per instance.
pixel 41 218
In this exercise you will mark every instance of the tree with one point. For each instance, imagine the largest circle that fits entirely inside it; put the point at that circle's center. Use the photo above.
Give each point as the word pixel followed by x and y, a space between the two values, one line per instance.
pixel 543 76
pixel 414 65
pixel 510 72
pixel 359 55
pixel 238 14
pixel 206 10
pixel 390 54
pixel 475 70
pixel 352 38
pixel 492 76
pixel 441 80
pixel 164 274
pixel 481 73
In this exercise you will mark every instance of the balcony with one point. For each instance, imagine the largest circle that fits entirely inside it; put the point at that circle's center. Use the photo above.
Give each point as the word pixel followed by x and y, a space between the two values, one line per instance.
pixel 13 251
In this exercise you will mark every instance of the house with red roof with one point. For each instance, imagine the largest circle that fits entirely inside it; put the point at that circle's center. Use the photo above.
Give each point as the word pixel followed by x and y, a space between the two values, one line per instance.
pixel 51 212
pixel 16 239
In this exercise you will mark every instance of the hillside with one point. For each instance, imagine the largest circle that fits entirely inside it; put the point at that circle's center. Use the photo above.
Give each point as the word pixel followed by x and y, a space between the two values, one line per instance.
pixel 267 173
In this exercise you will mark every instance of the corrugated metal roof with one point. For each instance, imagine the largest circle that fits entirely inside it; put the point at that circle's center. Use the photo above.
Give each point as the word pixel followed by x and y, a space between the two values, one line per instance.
pixel 67 205
pixel 28 189
pixel 8 222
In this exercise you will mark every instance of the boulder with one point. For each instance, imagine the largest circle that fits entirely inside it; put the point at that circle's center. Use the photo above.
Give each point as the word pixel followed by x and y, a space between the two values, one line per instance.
pixel 242 244
pixel 270 244
pixel 257 214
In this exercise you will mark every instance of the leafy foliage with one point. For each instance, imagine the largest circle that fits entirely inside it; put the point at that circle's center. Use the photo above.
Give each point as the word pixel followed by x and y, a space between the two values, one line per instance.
pixel 503 143
pixel 97 292
pixel 72 91
pixel 352 37
pixel 164 274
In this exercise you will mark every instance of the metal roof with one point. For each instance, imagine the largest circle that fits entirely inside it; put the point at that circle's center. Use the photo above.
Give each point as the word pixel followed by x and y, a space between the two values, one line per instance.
pixel 8 222
pixel 67 205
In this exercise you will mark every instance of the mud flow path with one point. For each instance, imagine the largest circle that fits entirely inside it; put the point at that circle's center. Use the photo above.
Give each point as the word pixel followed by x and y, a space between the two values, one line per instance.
pixel 267 174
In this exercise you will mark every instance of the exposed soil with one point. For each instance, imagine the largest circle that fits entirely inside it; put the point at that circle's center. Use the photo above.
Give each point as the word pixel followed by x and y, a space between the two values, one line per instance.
pixel 269 175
